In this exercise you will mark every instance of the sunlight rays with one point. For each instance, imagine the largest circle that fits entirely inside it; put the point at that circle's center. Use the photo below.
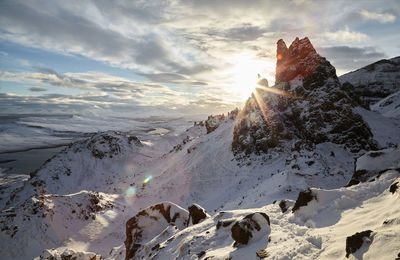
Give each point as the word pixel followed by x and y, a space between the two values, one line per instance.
pixel 243 75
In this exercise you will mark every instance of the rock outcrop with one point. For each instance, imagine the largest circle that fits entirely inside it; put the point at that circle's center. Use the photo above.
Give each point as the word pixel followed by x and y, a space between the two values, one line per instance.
pixel 306 106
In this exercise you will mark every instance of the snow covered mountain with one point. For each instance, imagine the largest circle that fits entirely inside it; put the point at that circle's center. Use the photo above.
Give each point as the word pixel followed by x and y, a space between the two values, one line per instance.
pixel 295 174
pixel 375 81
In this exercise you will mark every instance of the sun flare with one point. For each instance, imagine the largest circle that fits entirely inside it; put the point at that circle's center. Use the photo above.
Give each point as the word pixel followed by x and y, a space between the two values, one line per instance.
pixel 243 75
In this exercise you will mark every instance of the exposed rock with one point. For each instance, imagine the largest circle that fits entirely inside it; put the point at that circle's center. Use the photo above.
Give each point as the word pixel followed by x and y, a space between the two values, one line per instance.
pixel 222 223
pixel 303 199
pixel 150 222
pixel 307 104
pixel 252 226
pixel 213 122
pixel 300 59
pixel 109 144
pixel 196 214
pixel 262 254
pixel 375 81
pixel 354 242
pixel 63 253
pixel 283 206
pixel 393 188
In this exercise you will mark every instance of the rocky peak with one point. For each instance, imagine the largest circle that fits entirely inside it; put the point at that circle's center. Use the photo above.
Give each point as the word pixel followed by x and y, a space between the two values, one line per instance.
pixel 307 106
pixel 299 60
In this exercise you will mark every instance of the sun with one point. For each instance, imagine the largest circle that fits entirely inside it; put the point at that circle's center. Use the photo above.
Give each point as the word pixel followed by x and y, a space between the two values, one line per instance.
pixel 243 75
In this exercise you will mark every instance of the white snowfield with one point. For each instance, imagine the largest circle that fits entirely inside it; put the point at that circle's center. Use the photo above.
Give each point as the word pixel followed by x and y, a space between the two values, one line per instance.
pixel 82 202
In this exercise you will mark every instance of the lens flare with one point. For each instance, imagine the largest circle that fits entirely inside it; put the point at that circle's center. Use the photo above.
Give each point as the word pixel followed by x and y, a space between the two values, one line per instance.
pixel 149 178
pixel 130 192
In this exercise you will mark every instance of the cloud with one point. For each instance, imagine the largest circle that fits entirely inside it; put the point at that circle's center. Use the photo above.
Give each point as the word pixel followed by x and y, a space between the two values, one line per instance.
pixel 346 36
pixel 350 58
pixel 37 89
pixel 185 52
pixel 63 29
pixel 380 17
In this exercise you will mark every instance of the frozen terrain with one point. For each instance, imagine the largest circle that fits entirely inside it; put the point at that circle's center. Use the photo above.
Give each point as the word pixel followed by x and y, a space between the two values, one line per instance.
pixel 250 184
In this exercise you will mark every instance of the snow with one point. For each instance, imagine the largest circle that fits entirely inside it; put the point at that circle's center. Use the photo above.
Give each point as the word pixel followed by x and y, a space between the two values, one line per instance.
pixel 208 175
pixel 389 106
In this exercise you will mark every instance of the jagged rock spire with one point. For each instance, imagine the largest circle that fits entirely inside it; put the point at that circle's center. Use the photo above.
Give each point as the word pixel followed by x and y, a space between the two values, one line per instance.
pixel 299 60
pixel 307 107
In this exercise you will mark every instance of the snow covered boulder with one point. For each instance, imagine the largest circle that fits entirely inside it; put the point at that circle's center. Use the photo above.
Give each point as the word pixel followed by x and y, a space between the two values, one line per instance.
pixel 150 222
pixel 375 163
pixel 303 199
pixel 196 214
pixel 252 227
pixel 63 253
pixel 354 242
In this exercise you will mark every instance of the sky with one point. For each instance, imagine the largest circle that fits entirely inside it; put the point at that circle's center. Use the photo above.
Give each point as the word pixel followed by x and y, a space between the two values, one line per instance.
pixel 165 57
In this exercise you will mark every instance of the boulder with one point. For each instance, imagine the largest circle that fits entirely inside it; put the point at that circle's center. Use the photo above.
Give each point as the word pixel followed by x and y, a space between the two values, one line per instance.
pixel 251 227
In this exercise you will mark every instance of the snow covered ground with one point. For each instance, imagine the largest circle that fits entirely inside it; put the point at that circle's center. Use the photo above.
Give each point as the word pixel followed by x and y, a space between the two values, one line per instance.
pixel 82 202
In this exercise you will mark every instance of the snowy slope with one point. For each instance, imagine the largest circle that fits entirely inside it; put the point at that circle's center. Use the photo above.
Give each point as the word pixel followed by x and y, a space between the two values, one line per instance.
pixel 389 106
pixel 375 81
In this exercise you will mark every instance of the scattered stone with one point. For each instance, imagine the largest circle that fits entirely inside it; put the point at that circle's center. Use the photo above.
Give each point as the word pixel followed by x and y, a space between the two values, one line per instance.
pixel 283 206
pixel 394 187
pixel 225 223
pixel 201 254
pixel 354 242
pixel 262 254
pixel 303 199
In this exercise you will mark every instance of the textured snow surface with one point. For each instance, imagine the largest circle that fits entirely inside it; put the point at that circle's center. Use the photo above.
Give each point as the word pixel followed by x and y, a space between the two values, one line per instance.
pixel 375 81
pixel 389 106
pixel 86 208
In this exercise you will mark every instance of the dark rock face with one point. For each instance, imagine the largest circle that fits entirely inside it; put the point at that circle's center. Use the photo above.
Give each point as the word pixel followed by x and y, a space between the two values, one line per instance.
pixel 354 242
pixel 283 206
pixel 306 104
pixel 375 81
pixel 393 188
pixel 196 214
pixel 303 199
pixel 244 230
